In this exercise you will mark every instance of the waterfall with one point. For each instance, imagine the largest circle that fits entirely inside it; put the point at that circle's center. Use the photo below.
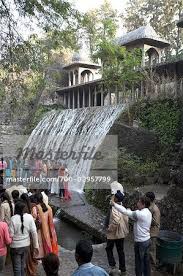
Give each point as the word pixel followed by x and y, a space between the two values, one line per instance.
pixel 68 130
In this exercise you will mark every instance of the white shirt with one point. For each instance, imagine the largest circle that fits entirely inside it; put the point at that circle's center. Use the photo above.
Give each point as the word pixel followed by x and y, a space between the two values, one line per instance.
pixel 142 222
pixel 20 239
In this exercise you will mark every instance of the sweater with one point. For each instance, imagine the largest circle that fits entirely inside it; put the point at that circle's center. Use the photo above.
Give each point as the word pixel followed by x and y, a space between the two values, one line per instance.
pixel 5 238
pixel 142 222
pixel 23 239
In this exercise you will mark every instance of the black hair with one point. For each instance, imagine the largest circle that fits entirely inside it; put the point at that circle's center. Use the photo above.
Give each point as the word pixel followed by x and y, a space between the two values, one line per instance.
pixel 151 196
pixel 5 196
pixel 39 198
pixel 15 194
pixel 19 210
pixel 33 199
pixel 84 250
pixel 51 264
pixel 26 200
pixel 119 196
pixel 145 201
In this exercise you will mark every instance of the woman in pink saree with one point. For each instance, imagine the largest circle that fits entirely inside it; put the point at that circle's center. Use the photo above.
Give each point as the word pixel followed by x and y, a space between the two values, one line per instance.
pixel 46 230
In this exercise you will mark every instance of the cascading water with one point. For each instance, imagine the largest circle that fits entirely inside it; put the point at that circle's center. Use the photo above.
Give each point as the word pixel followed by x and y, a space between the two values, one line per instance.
pixel 72 130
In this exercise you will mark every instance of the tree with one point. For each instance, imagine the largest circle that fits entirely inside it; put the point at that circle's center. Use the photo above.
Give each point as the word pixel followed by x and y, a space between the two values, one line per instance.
pixel 26 63
pixel 119 65
pixel 99 25
pixel 161 14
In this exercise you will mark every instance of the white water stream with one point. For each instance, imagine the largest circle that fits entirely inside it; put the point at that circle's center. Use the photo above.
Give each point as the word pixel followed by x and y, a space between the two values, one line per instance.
pixel 74 130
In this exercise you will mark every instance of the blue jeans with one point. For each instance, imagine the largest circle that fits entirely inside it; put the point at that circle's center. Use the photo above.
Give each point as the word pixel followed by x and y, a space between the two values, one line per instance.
pixel 142 258
pixel 18 257
pixel 2 264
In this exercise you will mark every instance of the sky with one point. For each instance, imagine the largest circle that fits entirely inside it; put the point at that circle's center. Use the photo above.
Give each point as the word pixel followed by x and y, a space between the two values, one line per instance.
pixel 85 5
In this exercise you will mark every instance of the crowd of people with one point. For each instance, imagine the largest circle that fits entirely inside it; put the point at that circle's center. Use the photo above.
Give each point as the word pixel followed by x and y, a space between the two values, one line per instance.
pixel 27 232
pixel 53 175
pixel 27 235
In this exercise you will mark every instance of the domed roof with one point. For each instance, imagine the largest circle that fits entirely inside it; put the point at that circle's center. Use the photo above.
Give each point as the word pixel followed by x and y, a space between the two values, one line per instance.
pixel 81 56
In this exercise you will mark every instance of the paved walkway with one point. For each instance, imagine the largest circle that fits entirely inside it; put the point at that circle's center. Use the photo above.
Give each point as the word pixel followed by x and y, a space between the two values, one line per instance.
pixel 68 264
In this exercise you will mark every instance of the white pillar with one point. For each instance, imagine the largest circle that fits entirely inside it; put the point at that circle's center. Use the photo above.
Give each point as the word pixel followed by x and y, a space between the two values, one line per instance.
pixel 95 96
pixel 69 79
pixel 78 103
pixel 83 97
pixel 89 95
pixel 73 100
pixel 143 57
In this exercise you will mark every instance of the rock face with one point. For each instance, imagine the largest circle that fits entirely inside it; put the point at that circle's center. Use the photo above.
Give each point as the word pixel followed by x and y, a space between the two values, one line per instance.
pixel 172 210
pixel 138 141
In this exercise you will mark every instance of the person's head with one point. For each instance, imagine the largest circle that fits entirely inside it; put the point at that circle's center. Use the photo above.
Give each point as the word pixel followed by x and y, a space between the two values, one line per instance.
pixel 118 197
pixel 151 196
pixel 33 199
pixel 39 199
pixel 51 264
pixel 15 195
pixel 84 252
pixel 19 210
pixel 27 202
pixel 144 202
pixel 5 197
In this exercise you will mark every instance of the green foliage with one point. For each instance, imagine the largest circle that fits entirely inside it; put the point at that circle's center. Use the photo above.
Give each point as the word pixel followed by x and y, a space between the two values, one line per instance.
pixel 162 117
pixel 119 64
pixel 100 25
pixel 131 163
pixel 39 114
pixel 98 197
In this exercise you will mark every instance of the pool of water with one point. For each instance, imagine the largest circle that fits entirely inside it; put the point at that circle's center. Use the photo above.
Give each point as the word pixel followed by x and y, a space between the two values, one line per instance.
pixel 69 234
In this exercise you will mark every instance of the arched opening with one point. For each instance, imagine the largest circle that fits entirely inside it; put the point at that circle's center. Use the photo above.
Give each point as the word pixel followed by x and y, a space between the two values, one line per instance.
pixel 86 76
pixel 151 57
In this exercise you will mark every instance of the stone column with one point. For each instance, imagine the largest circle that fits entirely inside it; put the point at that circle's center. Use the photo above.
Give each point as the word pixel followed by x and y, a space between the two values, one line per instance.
pixel 83 97
pixel 69 78
pixel 78 103
pixel 74 79
pixel 95 96
pixel 89 97
pixel 73 100
pixel 143 57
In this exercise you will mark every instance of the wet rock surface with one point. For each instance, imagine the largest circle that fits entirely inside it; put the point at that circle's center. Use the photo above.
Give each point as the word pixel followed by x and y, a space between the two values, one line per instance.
pixel 80 213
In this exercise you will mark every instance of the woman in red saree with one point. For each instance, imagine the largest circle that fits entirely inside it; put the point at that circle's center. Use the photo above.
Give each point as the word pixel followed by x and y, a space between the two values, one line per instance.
pixel 46 230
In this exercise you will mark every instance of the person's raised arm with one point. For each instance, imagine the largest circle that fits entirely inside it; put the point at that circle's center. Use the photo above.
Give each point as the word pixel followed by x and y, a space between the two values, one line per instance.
pixel 128 212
